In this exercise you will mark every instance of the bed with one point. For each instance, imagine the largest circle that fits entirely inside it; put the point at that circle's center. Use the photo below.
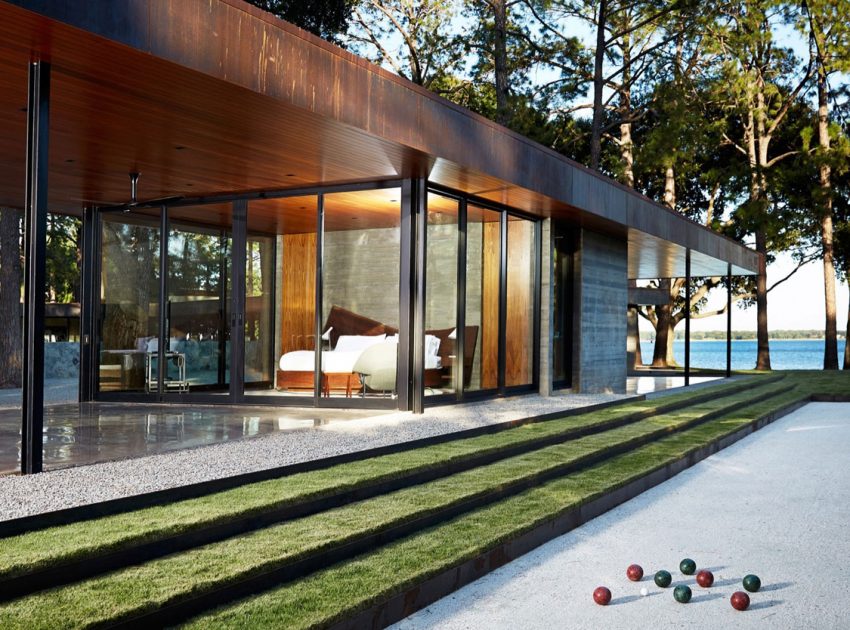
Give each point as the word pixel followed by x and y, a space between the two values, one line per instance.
pixel 348 334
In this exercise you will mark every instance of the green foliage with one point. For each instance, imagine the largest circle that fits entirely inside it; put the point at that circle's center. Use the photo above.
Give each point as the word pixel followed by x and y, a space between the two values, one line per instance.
pixel 325 18
pixel 63 258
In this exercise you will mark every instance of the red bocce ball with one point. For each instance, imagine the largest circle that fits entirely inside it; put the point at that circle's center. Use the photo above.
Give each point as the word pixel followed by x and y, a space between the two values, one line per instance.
pixel 705 578
pixel 740 600
pixel 602 596
pixel 634 572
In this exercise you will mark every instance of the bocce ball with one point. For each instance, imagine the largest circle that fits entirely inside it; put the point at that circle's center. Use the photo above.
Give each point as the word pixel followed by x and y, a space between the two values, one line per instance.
pixel 663 578
pixel 602 596
pixel 634 572
pixel 644 592
pixel 752 583
pixel 740 600
pixel 687 566
pixel 682 594
pixel 705 578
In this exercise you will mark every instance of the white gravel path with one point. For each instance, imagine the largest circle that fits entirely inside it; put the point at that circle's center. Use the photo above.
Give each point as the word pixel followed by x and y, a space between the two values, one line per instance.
pixel 776 504
pixel 83 485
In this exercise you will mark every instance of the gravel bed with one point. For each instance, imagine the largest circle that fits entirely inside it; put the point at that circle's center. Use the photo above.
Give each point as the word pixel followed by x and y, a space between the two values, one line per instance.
pixel 84 485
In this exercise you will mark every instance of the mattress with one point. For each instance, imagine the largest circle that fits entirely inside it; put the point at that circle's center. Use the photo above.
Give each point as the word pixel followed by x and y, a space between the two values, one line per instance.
pixel 335 361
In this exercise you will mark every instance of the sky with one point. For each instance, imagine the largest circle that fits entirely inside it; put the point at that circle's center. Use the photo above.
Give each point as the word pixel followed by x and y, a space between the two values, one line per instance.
pixel 797 304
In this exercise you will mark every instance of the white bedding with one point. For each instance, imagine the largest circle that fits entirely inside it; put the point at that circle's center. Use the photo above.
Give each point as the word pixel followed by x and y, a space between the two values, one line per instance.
pixel 335 361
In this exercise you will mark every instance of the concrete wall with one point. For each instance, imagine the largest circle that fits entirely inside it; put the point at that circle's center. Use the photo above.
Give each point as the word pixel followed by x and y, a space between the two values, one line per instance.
pixel 547 302
pixel 601 301
pixel 361 272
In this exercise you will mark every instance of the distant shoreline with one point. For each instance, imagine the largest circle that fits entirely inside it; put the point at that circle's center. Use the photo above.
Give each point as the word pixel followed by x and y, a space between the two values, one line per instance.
pixel 750 339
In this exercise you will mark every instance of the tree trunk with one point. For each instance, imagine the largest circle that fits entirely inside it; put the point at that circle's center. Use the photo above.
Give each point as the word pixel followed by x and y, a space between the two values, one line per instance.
pixel 830 351
pixel 763 357
pixel 662 353
pixel 500 60
pixel 11 336
pixel 847 331
pixel 598 85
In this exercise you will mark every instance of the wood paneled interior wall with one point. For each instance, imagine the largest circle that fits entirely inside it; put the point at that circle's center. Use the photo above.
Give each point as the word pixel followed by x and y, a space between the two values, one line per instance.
pixel 490 307
pixel 298 297
pixel 519 332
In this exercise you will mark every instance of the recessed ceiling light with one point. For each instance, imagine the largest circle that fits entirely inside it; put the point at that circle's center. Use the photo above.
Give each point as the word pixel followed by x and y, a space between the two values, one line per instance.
pixel 290 174
pixel 188 184
pixel 393 200
pixel 179 147
pixel 69 160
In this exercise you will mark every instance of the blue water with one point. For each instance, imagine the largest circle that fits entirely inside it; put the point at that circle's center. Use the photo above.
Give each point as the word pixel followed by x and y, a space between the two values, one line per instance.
pixel 784 354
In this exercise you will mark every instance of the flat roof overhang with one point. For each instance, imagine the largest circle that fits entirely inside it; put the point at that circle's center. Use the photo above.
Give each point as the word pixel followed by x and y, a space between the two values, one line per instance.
pixel 216 95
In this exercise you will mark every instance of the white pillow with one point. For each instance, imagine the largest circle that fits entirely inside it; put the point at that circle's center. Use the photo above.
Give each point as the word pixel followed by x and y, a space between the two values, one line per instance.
pixel 327 334
pixel 153 344
pixel 453 334
pixel 432 345
pixel 392 338
pixel 357 343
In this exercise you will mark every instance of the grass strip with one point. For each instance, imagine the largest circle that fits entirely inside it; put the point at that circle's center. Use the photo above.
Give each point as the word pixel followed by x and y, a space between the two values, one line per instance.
pixel 33 551
pixel 141 589
pixel 343 590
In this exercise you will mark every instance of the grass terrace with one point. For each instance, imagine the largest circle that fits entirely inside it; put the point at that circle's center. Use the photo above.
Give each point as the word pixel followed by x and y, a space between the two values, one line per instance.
pixel 359 533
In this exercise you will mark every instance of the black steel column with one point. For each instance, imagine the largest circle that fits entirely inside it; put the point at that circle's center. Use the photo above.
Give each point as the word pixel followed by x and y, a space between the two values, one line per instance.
pixel 687 317
pixel 238 299
pixel 460 313
pixel 88 305
pixel 404 377
pixel 420 222
pixel 503 298
pixel 317 315
pixel 728 320
pixel 35 247
pixel 164 303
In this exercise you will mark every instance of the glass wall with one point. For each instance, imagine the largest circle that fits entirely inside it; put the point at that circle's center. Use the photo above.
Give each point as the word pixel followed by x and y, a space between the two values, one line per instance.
pixel 519 327
pixel 483 250
pixel 361 253
pixel 129 302
pixel 280 297
pixel 11 338
pixel 441 357
pixel 198 303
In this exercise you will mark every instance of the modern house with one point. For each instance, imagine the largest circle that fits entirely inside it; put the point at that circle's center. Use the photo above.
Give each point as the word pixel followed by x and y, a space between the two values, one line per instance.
pixel 269 219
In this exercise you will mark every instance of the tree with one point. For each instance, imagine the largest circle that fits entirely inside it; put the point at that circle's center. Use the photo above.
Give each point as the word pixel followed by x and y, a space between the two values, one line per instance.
pixel 762 83
pixel 11 277
pixel 325 18
pixel 825 24
pixel 416 39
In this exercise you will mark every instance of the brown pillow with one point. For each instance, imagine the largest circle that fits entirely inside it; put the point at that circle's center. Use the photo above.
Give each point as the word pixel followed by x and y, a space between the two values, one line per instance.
pixel 346 322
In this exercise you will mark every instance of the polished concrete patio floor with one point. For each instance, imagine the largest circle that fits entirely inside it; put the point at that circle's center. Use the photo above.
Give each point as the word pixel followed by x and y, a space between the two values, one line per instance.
pixel 86 433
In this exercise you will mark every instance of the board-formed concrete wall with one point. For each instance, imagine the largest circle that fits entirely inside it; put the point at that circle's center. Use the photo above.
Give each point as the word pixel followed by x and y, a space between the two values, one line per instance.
pixel 601 302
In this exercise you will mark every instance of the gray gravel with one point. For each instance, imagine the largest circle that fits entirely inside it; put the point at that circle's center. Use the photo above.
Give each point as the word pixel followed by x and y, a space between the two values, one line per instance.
pixel 83 485
pixel 776 504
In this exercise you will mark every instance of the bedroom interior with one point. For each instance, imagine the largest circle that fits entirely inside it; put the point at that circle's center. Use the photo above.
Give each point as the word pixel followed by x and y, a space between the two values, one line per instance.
pixel 360 297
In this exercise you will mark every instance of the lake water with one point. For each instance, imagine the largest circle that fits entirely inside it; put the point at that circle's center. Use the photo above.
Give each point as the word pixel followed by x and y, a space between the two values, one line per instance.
pixel 785 354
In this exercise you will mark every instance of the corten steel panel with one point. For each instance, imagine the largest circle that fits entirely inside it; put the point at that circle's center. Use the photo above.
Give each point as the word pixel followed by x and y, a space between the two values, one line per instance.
pixel 286 101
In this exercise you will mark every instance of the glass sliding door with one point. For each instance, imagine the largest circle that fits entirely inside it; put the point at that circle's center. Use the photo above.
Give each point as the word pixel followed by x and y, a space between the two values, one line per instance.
pixel 198 299
pixel 128 321
pixel 483 251
pixel 441 335
pixel 280 302
pixel 361 253
pixel 519 325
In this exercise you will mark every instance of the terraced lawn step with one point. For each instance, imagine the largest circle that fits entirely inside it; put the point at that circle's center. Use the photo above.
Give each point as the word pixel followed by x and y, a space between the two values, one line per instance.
pixel 64 554
pixel 386 584
pixel 171 587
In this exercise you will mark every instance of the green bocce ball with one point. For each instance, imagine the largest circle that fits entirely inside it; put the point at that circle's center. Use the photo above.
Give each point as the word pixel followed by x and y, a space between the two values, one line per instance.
pixel 752 583
pixel 682 594
pixel 663 578
pixel 687 566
